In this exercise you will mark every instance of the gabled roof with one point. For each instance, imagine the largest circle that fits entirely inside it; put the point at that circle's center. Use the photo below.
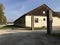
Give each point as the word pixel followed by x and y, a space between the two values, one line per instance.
pixel 38 8
pixel 34 11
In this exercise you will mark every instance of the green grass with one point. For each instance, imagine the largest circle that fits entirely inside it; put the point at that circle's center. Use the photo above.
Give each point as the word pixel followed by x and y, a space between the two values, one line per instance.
pixel 10 27
pixel 38 28
pixel 13 27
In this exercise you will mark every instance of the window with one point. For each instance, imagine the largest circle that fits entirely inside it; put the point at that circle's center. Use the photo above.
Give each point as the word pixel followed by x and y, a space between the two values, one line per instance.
pixel 36 20
pixel 44 19
pixel 43 12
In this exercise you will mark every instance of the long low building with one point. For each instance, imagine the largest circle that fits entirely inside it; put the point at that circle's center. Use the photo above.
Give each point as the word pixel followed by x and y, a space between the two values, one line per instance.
pixel 40 18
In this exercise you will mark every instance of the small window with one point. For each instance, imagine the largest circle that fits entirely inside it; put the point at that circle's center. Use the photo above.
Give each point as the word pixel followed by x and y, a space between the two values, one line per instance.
pixel 43 12
pixel 36 20
pixel 44 19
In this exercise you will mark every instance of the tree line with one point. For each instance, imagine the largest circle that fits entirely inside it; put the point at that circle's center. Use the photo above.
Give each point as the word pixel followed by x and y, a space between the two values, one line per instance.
pixel 3 19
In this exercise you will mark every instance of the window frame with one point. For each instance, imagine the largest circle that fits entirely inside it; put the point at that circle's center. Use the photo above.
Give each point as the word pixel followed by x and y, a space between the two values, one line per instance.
pixel 36 20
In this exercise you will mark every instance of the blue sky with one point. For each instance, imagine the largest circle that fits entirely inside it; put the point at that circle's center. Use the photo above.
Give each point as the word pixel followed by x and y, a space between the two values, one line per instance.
pixel 16 8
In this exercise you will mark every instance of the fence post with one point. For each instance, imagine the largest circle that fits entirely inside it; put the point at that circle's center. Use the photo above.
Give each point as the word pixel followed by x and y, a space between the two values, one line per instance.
pixel 49 22
pixel 32 22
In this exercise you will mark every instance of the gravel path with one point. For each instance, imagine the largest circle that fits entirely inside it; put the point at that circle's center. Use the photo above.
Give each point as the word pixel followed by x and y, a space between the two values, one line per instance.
pixel 28 38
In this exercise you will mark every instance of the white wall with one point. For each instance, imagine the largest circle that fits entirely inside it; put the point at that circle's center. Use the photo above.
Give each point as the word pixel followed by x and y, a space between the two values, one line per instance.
pixel 56 21
pixel 28 21
pixel 41 22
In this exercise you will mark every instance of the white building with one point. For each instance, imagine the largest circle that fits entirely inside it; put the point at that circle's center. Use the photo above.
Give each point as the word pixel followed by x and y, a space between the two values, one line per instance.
pixel 40 18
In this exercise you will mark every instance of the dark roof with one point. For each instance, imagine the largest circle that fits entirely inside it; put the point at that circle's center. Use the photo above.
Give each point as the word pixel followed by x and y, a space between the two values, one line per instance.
pixel 38 8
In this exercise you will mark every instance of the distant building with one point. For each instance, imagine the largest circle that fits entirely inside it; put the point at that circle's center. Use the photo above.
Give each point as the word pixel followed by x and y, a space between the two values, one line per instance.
pixel 10 23
pixel 40 18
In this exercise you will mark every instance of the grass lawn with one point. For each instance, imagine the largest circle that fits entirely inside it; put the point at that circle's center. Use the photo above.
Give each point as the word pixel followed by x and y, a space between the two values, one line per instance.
pixel 38 28
pixel 18 27
pixel 10 27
